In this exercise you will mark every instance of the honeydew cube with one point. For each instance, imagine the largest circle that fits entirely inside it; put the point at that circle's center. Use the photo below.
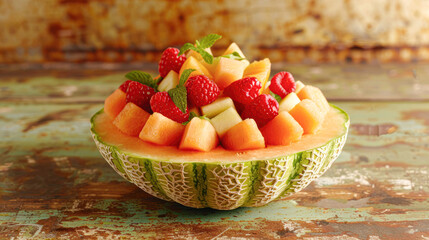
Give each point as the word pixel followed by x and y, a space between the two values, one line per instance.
pixel 289 102
pixel 299 86
pixel 228 71
pixel 216 107
pixel 169 82
pixel 225 120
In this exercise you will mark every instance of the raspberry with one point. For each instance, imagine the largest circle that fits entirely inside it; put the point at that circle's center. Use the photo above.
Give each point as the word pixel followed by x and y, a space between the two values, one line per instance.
pixel 140 95
pixel 282 84
pixel 201 90
pixel 263 108
pixel 170 61
pixel 244 90
pixel 162 103
pixel 124 86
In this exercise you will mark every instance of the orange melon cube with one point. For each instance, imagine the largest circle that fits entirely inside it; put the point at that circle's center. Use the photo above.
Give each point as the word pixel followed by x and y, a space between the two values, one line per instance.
pixel 243 136
pixel 193 63
pixel 282 130
pixel 233 47
pixel 161 130
pixel 314 94
pixel 199 135
pixel 308 115
pixel 227 71
pixel 114 103
pixel 131 119
pixel 260 70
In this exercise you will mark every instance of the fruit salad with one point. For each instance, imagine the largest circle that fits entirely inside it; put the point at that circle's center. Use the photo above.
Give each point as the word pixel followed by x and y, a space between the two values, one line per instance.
pixel 200 102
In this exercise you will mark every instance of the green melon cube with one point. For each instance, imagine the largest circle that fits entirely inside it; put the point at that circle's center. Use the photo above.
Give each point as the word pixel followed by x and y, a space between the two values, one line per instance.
pixel 169 82
pixel 287 103
pixel 216 107
pixel 225 120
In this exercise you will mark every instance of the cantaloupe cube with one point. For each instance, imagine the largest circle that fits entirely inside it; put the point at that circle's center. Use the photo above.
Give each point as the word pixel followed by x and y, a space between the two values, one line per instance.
pixel 225 120
pixel 282 130
pixel 298 86
pixel 233 47
pixel 314 93
pixel 210 67
pixel 131 119
pixel 199 135
pixel 195 110
pixel 162 130
pixel 260 70
pixel 244 136
pixel 114 103
pixel 193 63
pixel 216 107
pixel 289 102
pixel 308 115
pixel 169 82
pixel 227 71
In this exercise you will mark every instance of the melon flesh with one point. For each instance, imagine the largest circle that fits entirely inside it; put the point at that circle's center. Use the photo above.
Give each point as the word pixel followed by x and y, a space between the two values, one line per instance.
pixel 289 102
pixel 131 119
pixel 314 94
pixel 225 120
pixel 221 179
pixel 259 69
pixel 114 103
pixel 199 135
pixel 308 115
pixel 282 130
pixel 169 82
pixel 228 71
pixel 299 86
pixel 161 130
pixel 216 107
pixel 193 63
pixel 243 136
pixel 233 47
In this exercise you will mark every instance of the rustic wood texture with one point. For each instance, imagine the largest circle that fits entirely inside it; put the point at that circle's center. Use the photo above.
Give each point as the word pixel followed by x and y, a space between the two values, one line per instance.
pixel 292 30
pixel 55 184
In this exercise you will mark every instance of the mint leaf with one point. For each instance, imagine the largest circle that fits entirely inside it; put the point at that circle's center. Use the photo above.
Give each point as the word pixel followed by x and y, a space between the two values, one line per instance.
pixel 275 96
pixel 142 77
pixel 185 76
pixel 191 115
pixel 208 58
pixel 207 41
pixel 179 97
pixel 185 48
pixel 234 55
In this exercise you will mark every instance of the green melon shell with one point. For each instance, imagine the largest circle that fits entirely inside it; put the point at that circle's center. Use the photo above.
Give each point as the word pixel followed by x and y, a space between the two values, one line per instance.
pixel 220 185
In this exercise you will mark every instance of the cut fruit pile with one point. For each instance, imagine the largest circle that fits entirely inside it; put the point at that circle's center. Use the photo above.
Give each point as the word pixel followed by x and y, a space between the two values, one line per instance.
pixel 200 102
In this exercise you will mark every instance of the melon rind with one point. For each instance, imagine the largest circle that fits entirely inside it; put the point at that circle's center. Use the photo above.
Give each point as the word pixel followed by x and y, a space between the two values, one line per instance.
pixel 220 185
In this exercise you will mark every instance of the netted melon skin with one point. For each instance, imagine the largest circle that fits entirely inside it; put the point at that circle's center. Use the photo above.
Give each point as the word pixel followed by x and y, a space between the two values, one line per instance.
pixel 224 186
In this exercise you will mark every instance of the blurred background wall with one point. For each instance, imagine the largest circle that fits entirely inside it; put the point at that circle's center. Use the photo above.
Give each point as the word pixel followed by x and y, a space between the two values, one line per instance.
pixel 284 30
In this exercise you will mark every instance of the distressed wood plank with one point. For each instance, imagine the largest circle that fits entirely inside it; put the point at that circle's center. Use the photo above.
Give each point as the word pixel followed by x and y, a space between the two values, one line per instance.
pixel 349 82
pixel 54 183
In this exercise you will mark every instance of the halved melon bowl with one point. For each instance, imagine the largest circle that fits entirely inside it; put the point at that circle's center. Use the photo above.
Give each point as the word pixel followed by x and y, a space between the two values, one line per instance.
pixel 222 179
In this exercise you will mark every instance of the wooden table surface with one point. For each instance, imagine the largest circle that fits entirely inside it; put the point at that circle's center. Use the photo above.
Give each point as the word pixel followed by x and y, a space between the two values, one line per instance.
pixel 54 183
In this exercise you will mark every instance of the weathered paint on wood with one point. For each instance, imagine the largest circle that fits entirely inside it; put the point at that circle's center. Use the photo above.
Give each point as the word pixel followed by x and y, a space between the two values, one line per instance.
pixel 54 183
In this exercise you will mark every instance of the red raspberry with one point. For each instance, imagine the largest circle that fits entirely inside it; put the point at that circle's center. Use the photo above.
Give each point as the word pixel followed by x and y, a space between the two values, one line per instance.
pixel 124 86
pixel 201 90
pixel 244 90
pixel 282 84
pixel 263 108
pixel 162 103
pixel 140 95
pixel 170 61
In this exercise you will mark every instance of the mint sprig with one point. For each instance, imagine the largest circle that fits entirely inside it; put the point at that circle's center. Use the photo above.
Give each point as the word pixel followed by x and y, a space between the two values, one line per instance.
pixel 193 115
pixel 275 96
pixel 200 46
pixel 143 78
pixel 234 55
pixel 179 94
